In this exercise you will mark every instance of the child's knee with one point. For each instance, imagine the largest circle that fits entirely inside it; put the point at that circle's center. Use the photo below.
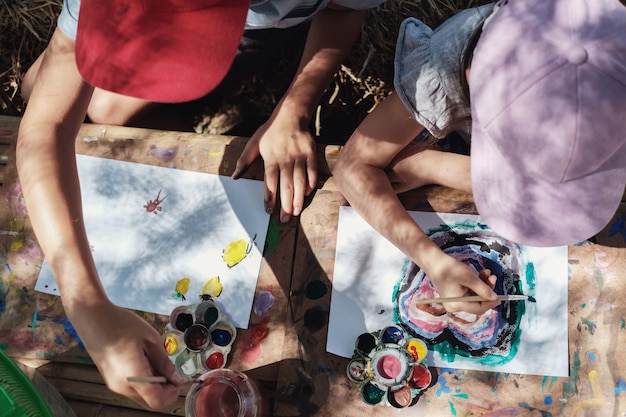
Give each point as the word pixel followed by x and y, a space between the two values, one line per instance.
pixel 103 109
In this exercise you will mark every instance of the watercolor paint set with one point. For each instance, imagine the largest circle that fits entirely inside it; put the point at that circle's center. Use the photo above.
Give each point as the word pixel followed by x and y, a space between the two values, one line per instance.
pixel 198 338
pixel 389 367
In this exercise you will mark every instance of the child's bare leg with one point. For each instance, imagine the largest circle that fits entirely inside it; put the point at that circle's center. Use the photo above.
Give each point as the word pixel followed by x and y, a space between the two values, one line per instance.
pixel 26 86
pixel 418 164
pixel 115 109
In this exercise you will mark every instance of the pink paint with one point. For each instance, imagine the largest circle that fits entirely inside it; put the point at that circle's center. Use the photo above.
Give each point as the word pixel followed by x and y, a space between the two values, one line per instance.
pixel 389 367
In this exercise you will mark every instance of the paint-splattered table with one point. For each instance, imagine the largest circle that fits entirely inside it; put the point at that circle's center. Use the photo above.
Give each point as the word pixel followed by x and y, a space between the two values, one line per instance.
pixel 33 326
pixel 314 382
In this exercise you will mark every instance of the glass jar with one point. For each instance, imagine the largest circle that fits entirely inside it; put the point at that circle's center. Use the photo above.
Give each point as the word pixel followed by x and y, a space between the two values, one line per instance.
pixel 224 393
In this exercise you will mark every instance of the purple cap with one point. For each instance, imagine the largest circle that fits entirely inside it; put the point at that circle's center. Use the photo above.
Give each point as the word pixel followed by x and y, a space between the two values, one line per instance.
pixel 548 96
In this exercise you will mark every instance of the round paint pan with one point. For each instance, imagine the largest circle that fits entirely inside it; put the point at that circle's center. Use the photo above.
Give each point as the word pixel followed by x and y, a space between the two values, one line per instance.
pixel 391 367
pixel 401 397
pixel 187 363
pixel 173 342
pixel 372 393
pixel 182 317
pixel 421 377
pixel 223 334
pixel 417 349
pixel 357 370
pixel 197 337
pixel 207 313
pixel 392 335
pixel 365 344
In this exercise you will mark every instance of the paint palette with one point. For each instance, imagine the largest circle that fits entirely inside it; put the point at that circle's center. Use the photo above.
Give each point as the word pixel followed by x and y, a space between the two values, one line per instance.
pixel 389 367
pixel 198 338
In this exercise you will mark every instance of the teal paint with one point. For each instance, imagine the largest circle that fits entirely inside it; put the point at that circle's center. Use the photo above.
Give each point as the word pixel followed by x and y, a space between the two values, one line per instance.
pixel 622 323
pixel 452 409
pixel 569 387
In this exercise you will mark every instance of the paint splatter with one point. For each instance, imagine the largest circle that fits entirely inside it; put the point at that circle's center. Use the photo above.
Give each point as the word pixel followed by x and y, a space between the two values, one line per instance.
pixel 529 408
pixel 598 398
pixel 69 329
pixel 620 387
pixel 181 288
pixel 236 251
pixel 165 154
pixel 154 206
pixel 263 302
pixel 444 389
pixel 213 288
pixel 491 339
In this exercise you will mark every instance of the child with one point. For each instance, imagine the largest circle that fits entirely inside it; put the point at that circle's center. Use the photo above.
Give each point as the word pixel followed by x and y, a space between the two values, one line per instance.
pixel 547 164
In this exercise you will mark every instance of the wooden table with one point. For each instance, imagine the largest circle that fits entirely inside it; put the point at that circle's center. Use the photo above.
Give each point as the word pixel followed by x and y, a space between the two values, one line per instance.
pixel 292 364
pixel 597 333
pixel 33 325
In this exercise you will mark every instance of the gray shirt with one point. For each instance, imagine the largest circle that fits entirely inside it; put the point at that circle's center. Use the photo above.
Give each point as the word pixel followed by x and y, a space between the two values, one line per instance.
pixel 430 70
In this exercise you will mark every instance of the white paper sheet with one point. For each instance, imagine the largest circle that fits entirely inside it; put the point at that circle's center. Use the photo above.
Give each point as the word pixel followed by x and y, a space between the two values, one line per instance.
pixel 368 267
pixel 141 255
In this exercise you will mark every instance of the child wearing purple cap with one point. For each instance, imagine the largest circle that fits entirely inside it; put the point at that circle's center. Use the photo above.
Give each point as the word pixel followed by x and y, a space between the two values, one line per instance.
pixel 547 163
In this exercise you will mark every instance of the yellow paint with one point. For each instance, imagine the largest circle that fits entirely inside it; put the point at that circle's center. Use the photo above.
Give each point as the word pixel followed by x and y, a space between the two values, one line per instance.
pixel 598 397
pixel 417 349
pixel 171 345
pixel 213 287
pixel 235 252
pixel 182 286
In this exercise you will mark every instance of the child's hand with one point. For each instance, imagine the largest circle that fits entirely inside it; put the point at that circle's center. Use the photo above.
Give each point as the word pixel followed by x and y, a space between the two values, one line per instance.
pixel 455 279
pixel 122 344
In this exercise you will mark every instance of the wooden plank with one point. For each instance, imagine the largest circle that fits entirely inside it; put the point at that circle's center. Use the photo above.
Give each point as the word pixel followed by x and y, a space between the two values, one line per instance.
pixel 91 409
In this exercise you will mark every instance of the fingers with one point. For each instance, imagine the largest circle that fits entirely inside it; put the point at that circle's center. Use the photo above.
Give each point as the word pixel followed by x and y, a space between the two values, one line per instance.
pixel 155 395
pixel 249 154
pixel 271 184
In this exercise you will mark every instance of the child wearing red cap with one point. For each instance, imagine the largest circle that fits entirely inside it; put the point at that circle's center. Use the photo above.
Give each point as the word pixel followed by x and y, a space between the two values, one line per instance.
pixel 161 51
pixel 129 56
pixel 547 163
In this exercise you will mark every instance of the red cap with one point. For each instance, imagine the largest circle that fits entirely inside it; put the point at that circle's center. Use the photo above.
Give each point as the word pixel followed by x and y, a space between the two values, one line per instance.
pixel 164 51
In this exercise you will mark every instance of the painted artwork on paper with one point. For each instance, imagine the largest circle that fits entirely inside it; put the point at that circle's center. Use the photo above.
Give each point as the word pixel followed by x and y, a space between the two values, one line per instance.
pixel 374 284
pixel 163 237
pixel 492 338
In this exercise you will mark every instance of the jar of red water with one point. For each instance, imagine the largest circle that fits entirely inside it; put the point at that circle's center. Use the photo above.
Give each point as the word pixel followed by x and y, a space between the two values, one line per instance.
pixel 224 393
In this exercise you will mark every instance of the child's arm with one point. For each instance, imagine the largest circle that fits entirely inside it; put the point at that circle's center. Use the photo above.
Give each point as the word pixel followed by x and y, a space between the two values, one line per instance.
pixel 120 342
pixel 284 141
pixel 376 163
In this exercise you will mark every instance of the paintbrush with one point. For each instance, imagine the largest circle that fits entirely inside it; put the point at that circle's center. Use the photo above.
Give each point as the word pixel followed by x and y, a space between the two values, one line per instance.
pixel 468 298
pixel 159 379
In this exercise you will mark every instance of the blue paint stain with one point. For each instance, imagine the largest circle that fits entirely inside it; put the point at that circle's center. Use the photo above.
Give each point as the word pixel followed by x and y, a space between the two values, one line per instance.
pixel 59 340
pixel 621 387
pixel 591 356
pixel 529 408
pixel 8 267
pixel 547 400
pixel 444 388
pixel 619 226
pixel 69 329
